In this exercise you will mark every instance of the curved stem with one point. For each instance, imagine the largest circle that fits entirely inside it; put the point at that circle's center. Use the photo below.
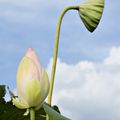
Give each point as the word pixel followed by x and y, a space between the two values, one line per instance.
pixel 56 50
pixel 32 114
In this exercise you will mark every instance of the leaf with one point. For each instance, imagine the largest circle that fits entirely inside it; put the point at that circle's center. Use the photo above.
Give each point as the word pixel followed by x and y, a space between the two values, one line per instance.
pixel 55 107
pixel 91 13
pixel 2 101
pixel 13 113
pixel 2 91
pixel 54 115
pixel 9 112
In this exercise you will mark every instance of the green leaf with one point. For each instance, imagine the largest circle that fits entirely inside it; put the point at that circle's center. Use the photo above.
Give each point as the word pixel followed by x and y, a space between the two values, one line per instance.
pixel 2 91
pixel 91 13
pixel 2 101
pixel 54 115
pixel 13 113
pixel 55 107
pixel 9 112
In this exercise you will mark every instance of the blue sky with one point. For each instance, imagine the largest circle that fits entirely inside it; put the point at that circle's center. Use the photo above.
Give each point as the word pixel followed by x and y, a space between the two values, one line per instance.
pixel 32 23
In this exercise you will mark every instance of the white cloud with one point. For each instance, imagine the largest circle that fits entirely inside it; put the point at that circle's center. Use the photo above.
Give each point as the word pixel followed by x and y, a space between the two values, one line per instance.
pixel 114 57
pixel 89 90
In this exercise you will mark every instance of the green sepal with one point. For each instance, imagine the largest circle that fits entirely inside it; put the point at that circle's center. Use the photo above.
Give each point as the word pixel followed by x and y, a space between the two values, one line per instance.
pixel 91 12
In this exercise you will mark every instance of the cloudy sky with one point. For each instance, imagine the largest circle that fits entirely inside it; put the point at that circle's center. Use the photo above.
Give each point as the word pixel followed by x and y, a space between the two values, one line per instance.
pixel 87 84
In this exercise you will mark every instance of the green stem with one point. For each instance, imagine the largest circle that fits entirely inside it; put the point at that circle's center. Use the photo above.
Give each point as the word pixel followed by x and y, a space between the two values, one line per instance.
pixel 32 114
pixel 56 50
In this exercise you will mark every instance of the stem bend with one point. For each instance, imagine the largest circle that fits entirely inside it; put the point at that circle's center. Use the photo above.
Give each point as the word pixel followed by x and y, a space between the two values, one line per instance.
pixel 56 50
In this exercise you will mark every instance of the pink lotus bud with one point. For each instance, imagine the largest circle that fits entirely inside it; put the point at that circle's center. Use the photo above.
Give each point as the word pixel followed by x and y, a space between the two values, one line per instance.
pixel 32 82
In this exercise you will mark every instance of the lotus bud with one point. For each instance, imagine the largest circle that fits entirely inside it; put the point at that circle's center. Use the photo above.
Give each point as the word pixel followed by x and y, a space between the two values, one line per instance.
pixel 91 12
pixel 32 82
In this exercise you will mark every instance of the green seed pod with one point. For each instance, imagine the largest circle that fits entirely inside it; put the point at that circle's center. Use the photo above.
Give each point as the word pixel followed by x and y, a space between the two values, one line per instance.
pixel 91 13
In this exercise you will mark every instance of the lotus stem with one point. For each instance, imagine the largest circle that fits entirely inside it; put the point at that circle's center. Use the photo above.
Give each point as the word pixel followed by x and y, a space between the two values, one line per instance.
pixel 32 114
pixel 56 51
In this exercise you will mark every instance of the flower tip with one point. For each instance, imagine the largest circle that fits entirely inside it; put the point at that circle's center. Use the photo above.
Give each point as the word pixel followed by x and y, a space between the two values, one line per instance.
pixel 30 49
pixel 29 52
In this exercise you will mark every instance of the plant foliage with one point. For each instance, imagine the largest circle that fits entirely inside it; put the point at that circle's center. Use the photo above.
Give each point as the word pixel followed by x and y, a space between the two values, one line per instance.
pixel 9 112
